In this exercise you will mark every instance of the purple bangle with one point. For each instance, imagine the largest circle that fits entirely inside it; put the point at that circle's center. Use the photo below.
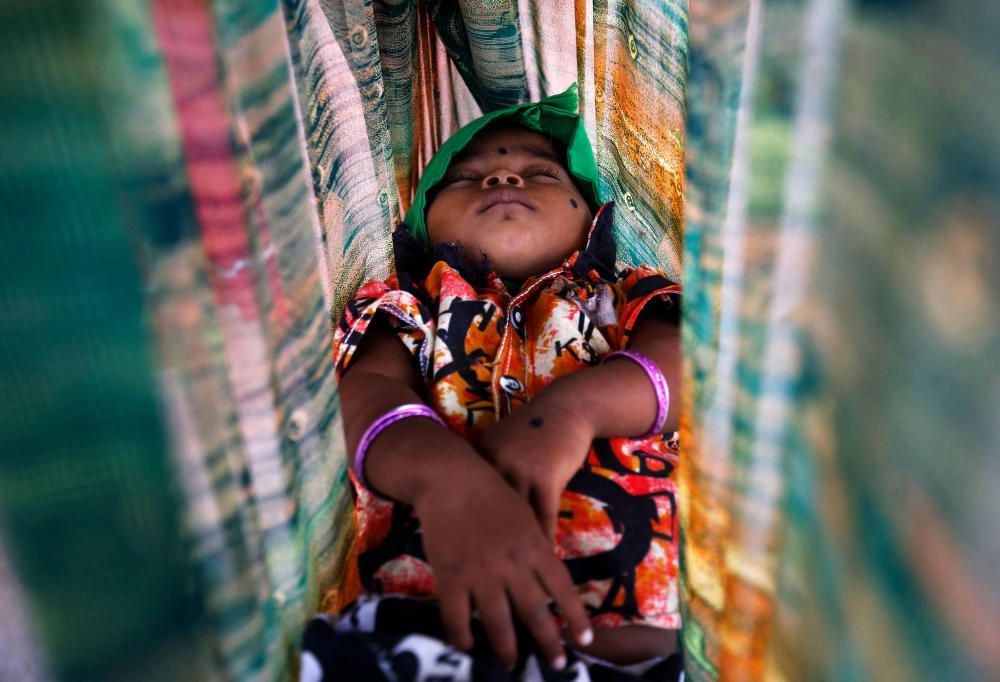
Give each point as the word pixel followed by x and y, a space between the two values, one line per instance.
pixel 659 385
pixel 380 424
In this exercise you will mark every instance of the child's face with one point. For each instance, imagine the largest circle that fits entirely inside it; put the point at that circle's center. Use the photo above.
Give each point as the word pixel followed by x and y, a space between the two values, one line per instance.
pixel 509 196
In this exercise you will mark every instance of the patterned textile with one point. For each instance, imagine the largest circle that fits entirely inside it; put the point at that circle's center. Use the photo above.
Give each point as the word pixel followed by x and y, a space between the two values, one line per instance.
pixel 401 639
pixel 833 205
pixel 191 190
pixel 482 354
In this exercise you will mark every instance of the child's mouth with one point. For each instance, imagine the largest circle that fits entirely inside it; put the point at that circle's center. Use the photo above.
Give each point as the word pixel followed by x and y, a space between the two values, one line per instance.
pixel 504 196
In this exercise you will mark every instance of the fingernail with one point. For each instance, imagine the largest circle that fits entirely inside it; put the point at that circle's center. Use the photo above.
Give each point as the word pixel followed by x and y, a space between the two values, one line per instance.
pixel 586 637
pixel 559 662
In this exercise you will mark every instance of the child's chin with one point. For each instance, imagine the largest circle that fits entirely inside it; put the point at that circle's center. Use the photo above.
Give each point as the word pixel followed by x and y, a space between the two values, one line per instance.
pixel 516 250
pixel 514 266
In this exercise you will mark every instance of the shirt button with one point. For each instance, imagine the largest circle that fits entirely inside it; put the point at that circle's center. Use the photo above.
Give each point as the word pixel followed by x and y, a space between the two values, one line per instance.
pixel 510 384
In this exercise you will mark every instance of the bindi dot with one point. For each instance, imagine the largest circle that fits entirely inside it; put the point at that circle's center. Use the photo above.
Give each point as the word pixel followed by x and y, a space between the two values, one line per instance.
pixel 502 150
pixel 573 203
pixel 536 422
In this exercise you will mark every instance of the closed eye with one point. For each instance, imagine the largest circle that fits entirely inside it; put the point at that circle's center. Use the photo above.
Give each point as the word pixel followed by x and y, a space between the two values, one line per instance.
pixel 550 172
pixel 458 177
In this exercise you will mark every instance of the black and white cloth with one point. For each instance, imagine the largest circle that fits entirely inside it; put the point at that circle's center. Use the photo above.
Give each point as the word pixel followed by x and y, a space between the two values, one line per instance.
pixel 401 639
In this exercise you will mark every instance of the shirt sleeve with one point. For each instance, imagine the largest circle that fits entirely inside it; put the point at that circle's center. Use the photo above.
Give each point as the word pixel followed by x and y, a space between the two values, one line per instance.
pixel 641 288
pixel 404 312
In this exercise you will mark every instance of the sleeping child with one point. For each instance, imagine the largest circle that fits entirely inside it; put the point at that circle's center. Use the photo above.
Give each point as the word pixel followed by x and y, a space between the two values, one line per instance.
pixel 506 403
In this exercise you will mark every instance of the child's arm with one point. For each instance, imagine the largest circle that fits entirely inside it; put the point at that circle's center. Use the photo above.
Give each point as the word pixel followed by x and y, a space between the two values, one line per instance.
pixel 617 397
pixel 481 539
pixel 539 447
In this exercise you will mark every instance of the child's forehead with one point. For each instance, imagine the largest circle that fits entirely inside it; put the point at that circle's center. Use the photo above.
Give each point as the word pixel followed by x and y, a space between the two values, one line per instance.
pixel 503 140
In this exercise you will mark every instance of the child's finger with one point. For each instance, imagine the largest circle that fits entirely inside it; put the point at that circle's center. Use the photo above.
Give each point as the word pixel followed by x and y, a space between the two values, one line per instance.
pixel 532 605
pixel 454 605
pixel 493 610
pixel 556 581
pixel 546 506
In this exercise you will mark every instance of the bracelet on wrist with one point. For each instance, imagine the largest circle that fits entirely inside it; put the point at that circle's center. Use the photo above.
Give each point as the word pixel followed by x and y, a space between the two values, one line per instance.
pixel 379 425
pixel 659 382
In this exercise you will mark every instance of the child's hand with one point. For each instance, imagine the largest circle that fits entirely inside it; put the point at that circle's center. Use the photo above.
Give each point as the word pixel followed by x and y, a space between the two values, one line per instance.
pixel 486 548
pixel 537 450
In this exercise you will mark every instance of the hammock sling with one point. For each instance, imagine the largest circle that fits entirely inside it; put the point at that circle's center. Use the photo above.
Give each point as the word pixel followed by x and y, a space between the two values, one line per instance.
pixel 197 186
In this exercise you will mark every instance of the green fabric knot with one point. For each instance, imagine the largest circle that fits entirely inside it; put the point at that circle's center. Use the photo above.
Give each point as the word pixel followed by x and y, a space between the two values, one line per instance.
pixel 532 118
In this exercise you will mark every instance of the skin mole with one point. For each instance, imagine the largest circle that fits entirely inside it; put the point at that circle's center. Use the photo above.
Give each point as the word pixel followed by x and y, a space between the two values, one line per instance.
pixel 537 422
pixel 573 203
pixel 502 150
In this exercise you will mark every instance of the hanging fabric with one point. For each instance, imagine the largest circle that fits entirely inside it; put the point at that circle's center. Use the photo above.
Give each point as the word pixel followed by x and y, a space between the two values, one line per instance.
pixel 196 187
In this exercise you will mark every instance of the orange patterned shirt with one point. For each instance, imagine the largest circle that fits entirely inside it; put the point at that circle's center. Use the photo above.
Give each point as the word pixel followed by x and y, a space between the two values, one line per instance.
pixel 483 353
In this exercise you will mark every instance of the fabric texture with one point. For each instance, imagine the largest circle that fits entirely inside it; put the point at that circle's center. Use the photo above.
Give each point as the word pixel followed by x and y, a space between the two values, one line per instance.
pixel 402 639
pixel 482 354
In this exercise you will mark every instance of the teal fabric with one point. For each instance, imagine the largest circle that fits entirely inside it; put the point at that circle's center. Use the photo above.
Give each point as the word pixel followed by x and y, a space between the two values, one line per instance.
pixel 837 329
pixel 89 502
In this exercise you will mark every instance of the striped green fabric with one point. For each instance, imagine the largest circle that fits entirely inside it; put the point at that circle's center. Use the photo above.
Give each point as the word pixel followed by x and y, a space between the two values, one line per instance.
pixel 190 190
pixel 837 335
pixel 87 494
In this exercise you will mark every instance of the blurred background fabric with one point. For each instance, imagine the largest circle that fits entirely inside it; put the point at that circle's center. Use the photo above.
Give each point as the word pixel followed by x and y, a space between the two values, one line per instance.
pixel 191 189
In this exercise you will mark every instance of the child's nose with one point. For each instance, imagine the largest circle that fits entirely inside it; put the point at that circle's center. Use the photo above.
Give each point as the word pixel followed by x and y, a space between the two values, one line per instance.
pixel 502 177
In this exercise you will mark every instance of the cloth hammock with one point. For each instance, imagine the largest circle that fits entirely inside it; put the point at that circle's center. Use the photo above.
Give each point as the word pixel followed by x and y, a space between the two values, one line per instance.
pixel 198 185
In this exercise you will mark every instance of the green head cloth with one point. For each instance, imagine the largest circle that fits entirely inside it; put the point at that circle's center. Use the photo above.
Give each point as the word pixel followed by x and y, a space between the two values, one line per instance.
pixel 555 116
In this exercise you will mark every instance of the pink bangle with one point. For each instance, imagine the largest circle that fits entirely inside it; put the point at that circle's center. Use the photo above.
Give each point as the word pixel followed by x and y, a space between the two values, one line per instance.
pixel 379 425
pixel 659 385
